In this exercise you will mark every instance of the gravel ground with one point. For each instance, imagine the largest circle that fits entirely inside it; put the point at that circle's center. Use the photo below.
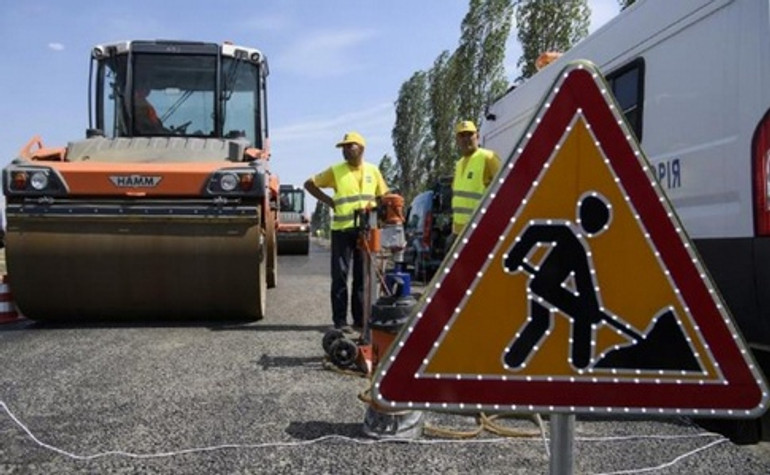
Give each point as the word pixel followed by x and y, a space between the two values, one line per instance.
pixel 208 397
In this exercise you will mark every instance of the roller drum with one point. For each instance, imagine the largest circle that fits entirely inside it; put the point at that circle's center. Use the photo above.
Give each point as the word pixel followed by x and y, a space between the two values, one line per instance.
pixel 64 269
pixel 293 243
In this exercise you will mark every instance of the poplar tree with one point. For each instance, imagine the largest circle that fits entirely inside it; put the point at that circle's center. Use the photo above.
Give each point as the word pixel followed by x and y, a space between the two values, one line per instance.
pixel 389 170
pixel 460 85
pixel 443 103
pixel 463 83
pixel 481 55
pixel 549 25
pixel 410 134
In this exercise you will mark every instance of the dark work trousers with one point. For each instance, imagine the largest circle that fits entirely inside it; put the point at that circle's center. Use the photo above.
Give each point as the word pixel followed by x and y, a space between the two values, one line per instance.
pixel 345 250
pixel 450 240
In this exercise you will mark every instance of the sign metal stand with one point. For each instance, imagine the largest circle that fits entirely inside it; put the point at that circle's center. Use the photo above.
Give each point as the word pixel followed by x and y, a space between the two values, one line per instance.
pixel 561 443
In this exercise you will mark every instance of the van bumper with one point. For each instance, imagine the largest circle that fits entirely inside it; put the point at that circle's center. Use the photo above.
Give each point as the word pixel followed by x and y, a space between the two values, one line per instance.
pixel 740 268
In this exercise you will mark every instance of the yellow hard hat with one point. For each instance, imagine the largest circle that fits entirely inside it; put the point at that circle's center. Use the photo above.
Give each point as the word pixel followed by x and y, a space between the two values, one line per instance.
pixel 465 126
pixel 352 137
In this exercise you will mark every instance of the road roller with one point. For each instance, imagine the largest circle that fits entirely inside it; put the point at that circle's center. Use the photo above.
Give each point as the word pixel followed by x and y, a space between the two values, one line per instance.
pixel 293 222
pixel 166 209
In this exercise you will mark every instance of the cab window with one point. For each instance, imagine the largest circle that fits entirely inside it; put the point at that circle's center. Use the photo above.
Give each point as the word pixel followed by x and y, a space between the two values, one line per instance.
pixel 627 84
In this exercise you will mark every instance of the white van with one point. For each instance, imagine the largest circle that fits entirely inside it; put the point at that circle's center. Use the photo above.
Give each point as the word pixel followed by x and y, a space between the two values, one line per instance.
pixel 693 78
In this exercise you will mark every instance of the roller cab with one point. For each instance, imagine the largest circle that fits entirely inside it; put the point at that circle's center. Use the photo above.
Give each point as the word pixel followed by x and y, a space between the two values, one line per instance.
pixel 293 225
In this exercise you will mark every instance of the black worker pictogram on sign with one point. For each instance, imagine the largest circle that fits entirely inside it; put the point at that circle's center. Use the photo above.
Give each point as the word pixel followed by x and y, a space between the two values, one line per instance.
pixel 574 288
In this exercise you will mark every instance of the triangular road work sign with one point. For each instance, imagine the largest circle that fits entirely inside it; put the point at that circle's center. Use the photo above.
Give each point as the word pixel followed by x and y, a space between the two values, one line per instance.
pixel 574 288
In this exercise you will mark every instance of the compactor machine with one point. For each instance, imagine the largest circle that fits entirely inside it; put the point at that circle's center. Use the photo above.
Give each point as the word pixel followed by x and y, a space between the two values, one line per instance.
pixel 167 208
pixel 293 222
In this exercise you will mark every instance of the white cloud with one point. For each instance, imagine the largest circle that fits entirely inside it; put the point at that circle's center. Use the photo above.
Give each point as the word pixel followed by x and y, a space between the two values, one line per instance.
pixel 376 116
pixel 306 147
pixel 324 54
pixel 56 46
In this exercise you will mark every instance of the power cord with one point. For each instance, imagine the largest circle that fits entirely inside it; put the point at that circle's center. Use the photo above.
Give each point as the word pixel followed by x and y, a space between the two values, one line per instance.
pixel 212 448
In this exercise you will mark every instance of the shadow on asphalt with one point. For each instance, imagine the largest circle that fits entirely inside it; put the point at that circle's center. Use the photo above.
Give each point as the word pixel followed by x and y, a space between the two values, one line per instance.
pixel 315 429
pixel 213 325
pixel 26 324
pixel 274 328
pixel 269 362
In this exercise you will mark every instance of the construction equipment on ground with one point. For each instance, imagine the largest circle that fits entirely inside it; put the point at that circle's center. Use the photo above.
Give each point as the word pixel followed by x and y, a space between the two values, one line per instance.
pixel 293 222
pixel 388 302
pixel 167 208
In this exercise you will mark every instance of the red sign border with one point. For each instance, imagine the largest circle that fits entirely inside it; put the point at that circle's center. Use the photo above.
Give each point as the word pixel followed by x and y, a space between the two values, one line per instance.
pixel 580 88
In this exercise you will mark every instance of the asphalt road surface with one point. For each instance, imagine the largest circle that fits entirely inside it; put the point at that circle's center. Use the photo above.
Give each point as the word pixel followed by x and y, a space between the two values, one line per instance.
pixel 206 397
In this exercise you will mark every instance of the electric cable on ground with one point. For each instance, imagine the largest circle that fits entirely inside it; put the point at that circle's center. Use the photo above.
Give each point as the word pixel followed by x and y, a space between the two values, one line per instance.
pixel 121 453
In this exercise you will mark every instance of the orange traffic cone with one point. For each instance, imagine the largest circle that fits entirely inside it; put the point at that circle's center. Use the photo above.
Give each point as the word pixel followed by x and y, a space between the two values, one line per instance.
pixel 8 311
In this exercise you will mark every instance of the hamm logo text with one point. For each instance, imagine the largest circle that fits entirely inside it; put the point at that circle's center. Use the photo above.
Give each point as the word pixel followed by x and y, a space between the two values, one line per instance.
pixel 133 181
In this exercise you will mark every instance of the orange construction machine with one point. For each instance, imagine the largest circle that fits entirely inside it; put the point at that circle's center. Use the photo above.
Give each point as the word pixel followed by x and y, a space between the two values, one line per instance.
pixel 293 222
pixel 167 208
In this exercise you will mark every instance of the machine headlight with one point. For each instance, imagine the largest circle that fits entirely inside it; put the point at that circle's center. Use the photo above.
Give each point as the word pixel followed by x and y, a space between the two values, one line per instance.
pixel 39 181
pixel 228 182
pixel 33 180
pixel 19 180
pixel 244 181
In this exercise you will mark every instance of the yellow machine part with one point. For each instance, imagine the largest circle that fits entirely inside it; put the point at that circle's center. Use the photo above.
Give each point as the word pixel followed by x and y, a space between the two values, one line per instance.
pixel 155 268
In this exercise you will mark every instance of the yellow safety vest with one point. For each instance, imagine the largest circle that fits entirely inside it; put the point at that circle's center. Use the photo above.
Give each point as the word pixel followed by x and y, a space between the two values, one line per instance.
pixel 350 194
pixel 468 186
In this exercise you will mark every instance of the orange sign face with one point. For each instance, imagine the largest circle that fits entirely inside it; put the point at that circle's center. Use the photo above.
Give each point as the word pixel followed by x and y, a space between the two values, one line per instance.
pixel 574 288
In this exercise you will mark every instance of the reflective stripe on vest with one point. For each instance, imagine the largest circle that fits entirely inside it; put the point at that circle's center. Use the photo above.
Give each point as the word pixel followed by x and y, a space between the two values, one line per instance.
pixel 351 195
pixel 468 187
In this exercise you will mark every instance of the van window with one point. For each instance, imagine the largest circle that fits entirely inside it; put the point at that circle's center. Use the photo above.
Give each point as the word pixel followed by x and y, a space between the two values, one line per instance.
pixel 627 84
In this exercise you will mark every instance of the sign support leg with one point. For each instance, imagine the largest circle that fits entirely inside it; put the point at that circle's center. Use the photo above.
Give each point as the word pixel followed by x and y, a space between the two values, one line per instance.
pixel 562 437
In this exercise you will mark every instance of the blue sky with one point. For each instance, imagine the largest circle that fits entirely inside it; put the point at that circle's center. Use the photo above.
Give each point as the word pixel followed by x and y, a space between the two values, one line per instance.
pixel 336 65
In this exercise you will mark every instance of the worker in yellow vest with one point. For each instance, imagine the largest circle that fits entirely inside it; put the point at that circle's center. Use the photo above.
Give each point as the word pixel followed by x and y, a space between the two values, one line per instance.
pixel 356 185
pixel 474 171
